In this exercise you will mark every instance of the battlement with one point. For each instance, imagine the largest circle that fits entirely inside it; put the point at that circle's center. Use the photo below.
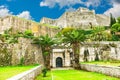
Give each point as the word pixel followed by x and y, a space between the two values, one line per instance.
pixel 83 10
pixel 81 18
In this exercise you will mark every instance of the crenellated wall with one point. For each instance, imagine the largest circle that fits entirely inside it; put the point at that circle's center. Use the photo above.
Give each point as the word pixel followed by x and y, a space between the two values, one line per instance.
pixel 81 18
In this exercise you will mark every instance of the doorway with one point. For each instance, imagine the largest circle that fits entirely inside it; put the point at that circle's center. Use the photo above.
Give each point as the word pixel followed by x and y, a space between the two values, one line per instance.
pixel 59 62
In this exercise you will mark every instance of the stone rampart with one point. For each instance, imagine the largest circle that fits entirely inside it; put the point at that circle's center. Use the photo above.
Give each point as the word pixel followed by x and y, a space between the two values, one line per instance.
pixel 107 70
pixel 28 75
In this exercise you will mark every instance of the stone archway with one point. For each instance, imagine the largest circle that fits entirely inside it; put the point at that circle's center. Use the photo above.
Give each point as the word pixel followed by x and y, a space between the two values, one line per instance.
pixel 59 62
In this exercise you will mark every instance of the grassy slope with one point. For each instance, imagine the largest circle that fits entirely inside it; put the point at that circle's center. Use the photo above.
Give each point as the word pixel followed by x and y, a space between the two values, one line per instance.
pixel 106 63
pixel 7 72
pixel 75 75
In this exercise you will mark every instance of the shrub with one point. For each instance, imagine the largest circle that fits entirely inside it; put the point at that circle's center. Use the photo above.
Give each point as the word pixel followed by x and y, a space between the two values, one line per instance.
pixel 44 71
pixel 22 60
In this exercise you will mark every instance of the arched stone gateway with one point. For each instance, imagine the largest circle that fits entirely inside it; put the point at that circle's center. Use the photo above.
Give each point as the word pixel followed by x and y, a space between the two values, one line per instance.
pixel 59 62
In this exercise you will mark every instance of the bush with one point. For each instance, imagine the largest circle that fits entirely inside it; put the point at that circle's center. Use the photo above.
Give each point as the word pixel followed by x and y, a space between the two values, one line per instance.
pixel 22 60
pixel 44 71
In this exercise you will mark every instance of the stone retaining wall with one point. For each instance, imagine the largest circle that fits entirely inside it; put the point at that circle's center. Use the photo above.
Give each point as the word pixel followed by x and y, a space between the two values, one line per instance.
pixel 107 70
pixel 28 75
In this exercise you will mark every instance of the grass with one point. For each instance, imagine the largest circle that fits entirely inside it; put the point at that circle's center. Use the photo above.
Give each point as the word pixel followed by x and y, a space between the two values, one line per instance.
pixel 37 23
pixel 48 77
pixel 74 75
pixel 106 63
pixel 9 71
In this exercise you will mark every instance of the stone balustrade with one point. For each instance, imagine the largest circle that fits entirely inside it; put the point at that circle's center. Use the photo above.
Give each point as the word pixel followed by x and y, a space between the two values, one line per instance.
pixel 107 70
pixel 28 75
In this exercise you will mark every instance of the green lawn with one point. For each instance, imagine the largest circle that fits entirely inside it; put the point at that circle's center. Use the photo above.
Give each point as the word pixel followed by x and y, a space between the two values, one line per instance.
pixel 7 72
pixel 74 75
pixel 106 63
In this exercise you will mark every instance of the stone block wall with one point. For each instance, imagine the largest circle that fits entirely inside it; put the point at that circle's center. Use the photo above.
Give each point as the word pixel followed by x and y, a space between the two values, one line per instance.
pixel 31 53
pixel 28 75
pixel 81 18
pixel 24 53
pixel 5 54
pixel 107 50
pixel 107 70
pixel 20 25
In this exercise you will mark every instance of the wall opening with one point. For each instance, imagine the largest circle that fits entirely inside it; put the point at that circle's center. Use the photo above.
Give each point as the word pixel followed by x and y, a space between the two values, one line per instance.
pixel 59 62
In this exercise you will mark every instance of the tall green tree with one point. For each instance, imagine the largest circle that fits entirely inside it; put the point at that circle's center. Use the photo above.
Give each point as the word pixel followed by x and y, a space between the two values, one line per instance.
pixel 46 43
pixel 112 20
pixel 74 37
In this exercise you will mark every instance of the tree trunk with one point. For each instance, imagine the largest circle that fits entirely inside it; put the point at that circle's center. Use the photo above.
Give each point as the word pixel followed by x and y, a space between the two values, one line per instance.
pixel 46 55
pixel 48 61
pixel 76 52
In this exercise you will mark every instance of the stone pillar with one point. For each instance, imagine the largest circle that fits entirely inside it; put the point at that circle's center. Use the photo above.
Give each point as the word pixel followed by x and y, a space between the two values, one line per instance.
pixel 67 58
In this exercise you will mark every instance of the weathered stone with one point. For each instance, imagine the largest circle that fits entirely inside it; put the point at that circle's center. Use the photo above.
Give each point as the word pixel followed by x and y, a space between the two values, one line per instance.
pixel 81 18
pixel 107 70
pixel 5 55
pixel 28 75
pixel 30 53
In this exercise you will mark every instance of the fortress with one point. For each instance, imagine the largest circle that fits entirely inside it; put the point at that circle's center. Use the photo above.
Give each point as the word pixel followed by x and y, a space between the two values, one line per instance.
pixel 81 18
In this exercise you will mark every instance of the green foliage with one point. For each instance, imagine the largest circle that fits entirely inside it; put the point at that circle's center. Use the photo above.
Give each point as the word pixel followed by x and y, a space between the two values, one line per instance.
pixel 112 20
pixel 118 20
pixel 99 34
pixel 45 53
pixel 9 36
pixel 115 38
pixel 22 60
pixel 44 71
pixel 73 35
pixel 65 30
pixel 28 34
pixel 44 41
pixel 115 27
pixel 49 26
pixel 10 71
pixel 74 75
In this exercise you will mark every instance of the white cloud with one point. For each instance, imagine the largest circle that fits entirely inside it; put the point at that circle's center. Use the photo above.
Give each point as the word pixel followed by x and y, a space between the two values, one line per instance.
pixel 93 3
pixel 115 10
pixel 4 11
pixel 70 9
pixel 25 14
pixel 50 3
pixel 69 3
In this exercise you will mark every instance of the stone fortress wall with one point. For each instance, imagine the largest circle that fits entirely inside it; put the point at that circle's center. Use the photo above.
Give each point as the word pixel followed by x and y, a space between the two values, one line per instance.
pixel 31 53
pixel 81 18
pixel 107 50
pixel 19 24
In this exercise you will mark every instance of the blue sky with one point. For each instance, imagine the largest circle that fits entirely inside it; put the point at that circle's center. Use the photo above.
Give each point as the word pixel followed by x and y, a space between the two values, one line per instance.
pixel 36 9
